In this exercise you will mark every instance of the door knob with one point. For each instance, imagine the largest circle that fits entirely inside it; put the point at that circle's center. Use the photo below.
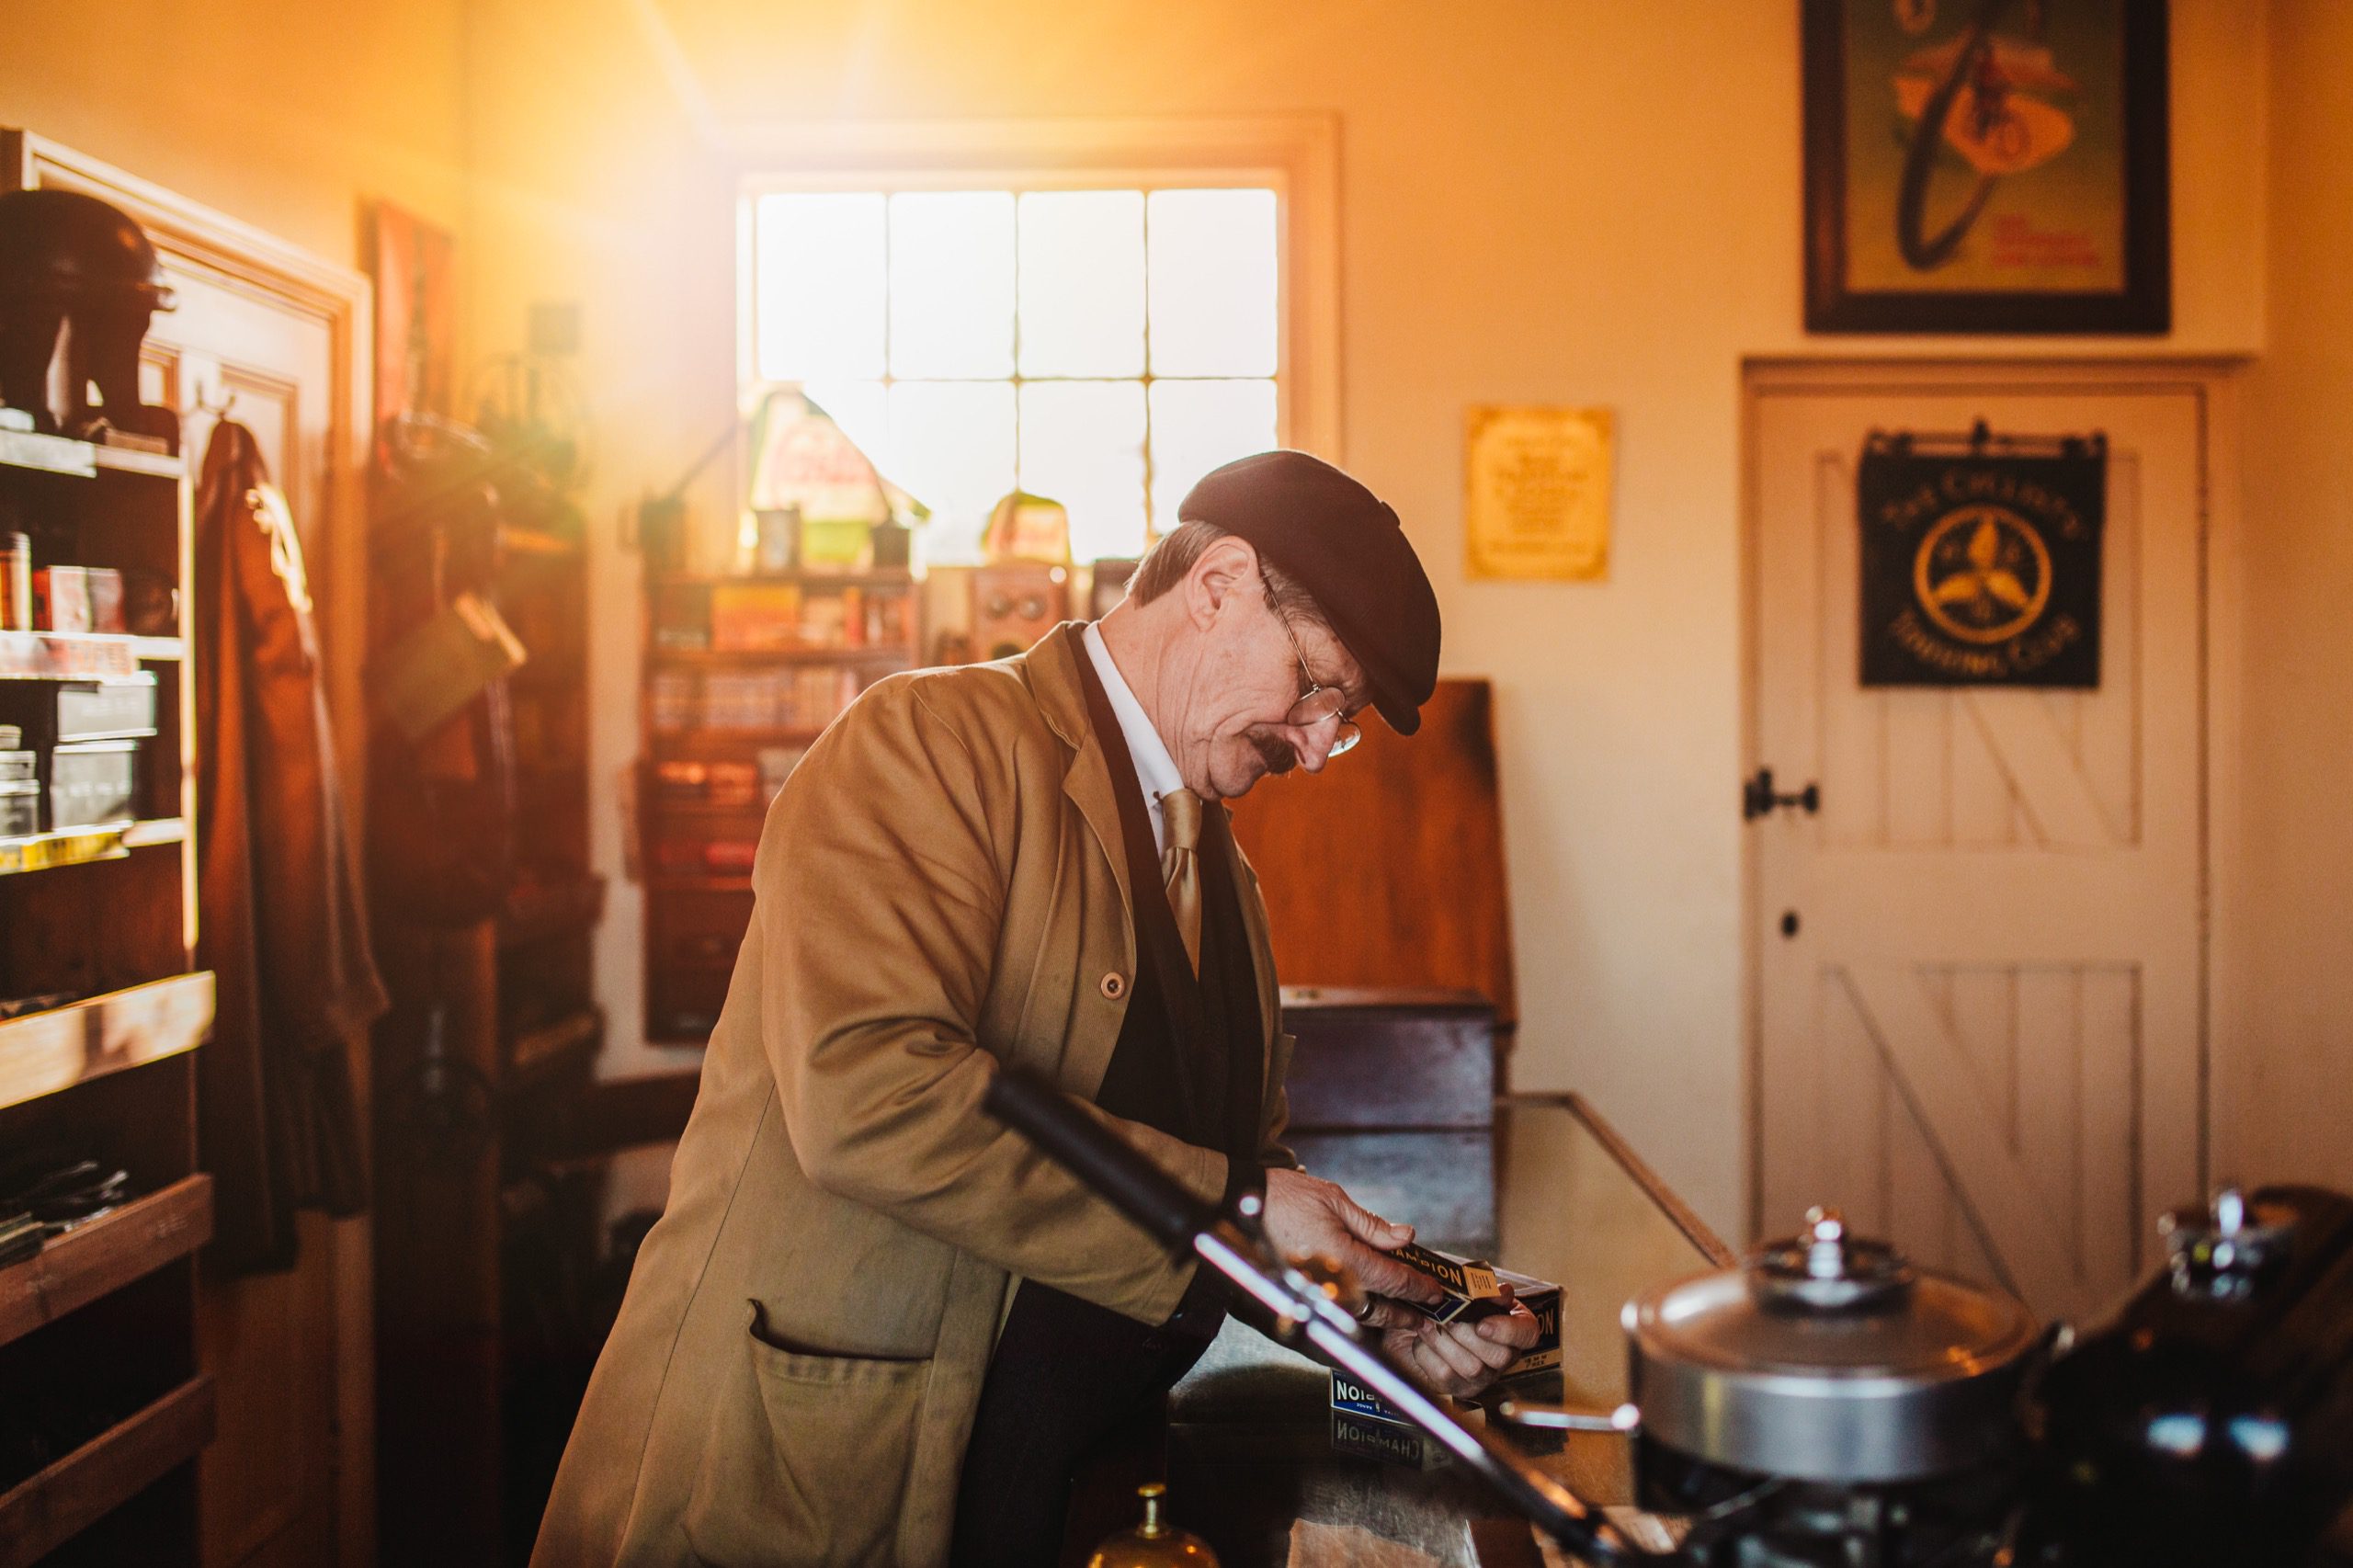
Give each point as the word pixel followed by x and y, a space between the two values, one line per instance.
pixel 1758 799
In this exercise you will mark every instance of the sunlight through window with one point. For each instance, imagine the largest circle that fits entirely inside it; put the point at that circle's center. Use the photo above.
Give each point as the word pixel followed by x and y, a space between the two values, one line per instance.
pixel 1101 347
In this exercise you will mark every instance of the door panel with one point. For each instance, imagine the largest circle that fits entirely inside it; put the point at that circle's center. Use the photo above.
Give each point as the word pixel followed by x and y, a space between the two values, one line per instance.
pixel 1985 1038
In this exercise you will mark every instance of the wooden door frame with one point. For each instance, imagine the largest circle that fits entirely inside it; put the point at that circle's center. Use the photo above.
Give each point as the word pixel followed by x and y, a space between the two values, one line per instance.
pixel 2215 381
pixel 252 261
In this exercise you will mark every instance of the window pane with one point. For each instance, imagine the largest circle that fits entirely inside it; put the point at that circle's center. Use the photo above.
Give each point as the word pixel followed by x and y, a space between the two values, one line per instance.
pixel 858 408
pixel 1082 444
pixel 1196 426
pixel 1082 283
pixel 953 446
pixel 1213 277
pixel 820 282
pixel 952 283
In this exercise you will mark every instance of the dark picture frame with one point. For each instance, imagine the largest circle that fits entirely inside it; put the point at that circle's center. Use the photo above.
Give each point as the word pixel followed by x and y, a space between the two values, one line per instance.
pixel 2078 240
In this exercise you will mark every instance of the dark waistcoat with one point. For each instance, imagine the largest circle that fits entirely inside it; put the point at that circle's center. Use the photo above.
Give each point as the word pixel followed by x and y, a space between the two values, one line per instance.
pixel 1190 1061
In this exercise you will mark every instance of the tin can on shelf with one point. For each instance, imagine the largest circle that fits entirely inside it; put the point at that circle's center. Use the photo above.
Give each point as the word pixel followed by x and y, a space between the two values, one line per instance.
pixel 62 597
pixel 105 598
pixel 93 782
pixel 16 581
pixel 19 808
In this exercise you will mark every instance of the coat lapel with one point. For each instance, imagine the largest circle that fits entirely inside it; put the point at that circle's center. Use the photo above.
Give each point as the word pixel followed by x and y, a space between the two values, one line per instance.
pixel 1052 669
pixel 1053 676
pixel 1054 680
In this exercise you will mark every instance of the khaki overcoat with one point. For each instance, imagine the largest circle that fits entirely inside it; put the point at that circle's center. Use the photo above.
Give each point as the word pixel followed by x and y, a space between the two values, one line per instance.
pixel 941 887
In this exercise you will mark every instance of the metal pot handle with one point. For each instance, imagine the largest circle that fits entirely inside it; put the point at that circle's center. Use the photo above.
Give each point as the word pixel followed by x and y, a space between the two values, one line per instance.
pixel 1626 1421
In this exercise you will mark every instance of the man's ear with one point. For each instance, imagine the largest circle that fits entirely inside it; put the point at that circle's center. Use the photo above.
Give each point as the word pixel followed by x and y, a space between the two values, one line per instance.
pixel 1227 567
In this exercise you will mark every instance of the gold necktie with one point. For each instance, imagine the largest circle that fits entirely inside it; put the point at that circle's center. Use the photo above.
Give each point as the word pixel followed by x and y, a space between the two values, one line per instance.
pixel 1180 865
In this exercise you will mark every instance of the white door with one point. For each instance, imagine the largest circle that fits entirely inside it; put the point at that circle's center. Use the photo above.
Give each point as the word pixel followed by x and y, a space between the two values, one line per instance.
pixel 1981 963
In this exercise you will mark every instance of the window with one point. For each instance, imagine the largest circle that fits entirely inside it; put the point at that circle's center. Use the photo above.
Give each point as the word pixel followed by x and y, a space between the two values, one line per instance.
pixel 1103 347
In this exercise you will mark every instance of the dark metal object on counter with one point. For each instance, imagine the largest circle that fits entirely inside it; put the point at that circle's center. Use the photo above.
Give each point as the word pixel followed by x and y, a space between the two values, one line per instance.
pixel 1828 1402
pixel 71 259
pixel 2212 1420
pixel 1831 1358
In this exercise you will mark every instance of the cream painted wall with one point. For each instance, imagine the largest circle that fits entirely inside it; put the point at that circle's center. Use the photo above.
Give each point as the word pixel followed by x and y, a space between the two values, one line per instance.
pixel 282 113
pixel 1571 201
pixel 2288 1070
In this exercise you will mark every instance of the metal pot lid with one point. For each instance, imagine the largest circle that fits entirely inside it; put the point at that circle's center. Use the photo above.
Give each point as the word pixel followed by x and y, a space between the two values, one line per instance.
pixel 1829 1357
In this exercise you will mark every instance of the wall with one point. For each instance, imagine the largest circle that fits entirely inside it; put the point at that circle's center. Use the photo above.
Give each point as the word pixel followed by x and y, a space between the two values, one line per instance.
pixel 1569 201
pixel 281 113
pixel 2289 1074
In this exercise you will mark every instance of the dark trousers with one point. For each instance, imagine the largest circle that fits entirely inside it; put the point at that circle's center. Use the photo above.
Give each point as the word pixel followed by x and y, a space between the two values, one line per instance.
pixel 1066 1376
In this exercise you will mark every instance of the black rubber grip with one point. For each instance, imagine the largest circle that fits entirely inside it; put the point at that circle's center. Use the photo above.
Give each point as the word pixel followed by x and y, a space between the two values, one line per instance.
pixel 1092 1153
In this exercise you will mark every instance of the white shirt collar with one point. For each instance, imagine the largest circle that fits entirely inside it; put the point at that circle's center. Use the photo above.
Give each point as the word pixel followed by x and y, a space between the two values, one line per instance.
pixel 1156 769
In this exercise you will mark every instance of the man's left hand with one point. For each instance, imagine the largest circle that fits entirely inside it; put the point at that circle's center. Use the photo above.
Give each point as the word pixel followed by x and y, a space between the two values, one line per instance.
pixel 1457 1359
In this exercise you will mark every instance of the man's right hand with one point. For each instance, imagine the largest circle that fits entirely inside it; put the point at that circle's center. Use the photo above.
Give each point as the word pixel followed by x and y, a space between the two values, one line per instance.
pixel 1306 1216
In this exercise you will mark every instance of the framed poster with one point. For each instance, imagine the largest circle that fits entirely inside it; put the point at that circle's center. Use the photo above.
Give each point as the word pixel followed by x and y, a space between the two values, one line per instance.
pixel 417 316
pixel 1538 493
pixel 1987 165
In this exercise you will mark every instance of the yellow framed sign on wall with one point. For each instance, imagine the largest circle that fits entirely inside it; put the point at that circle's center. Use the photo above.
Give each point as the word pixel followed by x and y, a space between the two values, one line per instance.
pixel 1537 502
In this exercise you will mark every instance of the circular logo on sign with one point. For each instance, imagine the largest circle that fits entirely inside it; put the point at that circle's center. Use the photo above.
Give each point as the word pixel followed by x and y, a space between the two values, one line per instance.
pixel 1982 575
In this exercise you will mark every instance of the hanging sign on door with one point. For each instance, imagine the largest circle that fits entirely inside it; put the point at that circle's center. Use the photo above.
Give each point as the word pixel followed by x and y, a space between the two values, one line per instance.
pixel 1980 559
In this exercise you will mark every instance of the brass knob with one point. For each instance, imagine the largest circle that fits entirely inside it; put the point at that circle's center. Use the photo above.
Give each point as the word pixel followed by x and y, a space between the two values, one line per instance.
pixel 1154 1543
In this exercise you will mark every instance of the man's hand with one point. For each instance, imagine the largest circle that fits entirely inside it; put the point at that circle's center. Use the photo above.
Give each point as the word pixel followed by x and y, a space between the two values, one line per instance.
pixel 1308 1218
pixel 1457 1359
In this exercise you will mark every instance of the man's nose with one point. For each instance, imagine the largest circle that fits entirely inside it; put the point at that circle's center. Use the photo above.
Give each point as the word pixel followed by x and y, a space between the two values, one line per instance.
pixel 1313 744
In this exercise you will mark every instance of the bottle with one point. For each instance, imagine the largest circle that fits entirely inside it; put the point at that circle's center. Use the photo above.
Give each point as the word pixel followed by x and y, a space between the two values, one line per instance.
pixel 1153 1544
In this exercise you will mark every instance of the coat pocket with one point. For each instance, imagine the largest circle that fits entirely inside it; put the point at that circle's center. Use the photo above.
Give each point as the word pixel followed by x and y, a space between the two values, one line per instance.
pixel 807 1458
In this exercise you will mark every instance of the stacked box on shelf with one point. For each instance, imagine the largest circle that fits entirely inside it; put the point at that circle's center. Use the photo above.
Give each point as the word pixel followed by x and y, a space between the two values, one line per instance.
pixel 741 674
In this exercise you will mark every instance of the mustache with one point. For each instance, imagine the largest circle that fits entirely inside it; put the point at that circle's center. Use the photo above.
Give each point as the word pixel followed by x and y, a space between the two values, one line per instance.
pixel 1280 755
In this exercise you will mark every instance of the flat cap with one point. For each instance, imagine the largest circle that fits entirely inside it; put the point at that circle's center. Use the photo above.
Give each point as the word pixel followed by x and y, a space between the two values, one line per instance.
pixel 1343 545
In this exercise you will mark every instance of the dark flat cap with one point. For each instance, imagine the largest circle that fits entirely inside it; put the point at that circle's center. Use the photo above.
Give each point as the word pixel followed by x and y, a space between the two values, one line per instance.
pixel 1345 546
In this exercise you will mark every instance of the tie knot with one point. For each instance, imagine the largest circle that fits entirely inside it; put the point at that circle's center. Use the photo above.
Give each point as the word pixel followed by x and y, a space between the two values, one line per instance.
pixel 1180 812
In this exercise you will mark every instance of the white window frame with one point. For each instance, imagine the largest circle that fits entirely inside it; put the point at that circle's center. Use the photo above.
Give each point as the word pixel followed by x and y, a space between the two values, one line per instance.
pixel 1296 157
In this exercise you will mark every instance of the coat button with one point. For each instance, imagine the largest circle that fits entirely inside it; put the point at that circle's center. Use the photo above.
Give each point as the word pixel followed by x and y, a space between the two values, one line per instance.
pixel 1115 985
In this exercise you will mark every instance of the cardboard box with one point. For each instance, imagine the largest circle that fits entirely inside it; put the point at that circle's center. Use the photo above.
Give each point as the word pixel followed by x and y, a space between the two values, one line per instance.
pixel 753 615
pixel 1365 1425
pixel 1465 1281
pixel 1368 1438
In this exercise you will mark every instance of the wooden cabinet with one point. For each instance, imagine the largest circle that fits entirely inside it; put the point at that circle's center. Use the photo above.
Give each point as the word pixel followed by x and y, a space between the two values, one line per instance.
pixel 490 1043
pixel 105 1408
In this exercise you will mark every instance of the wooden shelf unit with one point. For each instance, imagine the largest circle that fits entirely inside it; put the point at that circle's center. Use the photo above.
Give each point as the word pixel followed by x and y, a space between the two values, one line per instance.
pixel 704 717
pixel 102 1255
pixel 99 925
pixel 46 1510
pixel 82 459
pixel 82 655
pixel 51 1051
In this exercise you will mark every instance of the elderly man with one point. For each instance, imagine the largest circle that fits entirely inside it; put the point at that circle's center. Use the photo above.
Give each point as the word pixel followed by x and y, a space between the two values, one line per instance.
pixel 873 1325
